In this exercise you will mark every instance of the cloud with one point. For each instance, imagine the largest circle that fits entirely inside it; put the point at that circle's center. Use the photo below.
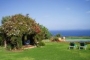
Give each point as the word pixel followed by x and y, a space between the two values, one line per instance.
pixel 88 12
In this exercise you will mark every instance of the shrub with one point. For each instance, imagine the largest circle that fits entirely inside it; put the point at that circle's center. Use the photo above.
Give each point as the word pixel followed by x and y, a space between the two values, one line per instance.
pixel 19 43
pixel 8 47
pixel 58 35
pixel 54 39
pixel 41 44
pixel 16 43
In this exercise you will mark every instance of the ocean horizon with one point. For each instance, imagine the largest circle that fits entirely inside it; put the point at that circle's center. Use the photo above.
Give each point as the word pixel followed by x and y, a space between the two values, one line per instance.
pixel 71 32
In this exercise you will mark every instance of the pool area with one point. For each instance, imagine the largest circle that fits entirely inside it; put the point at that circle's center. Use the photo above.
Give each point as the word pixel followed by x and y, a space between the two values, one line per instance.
pixel 77 40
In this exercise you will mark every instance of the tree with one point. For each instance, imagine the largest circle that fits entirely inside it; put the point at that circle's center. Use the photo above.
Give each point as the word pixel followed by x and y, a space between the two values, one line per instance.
pixel 18 25
pixel 45 32
pixel 5 19
pixel 58 35
pixel 3 35
pixel 18 28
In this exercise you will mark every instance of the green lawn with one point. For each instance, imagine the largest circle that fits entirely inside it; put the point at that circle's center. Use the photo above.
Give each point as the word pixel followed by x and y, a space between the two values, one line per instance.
pixel 52 51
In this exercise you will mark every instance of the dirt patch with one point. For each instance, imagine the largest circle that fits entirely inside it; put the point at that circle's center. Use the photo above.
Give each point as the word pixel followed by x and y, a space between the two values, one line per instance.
pixel 23 47
pixel 28 46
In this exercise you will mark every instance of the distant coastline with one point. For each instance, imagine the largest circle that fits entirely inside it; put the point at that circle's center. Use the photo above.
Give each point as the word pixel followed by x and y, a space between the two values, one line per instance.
pixel 71 32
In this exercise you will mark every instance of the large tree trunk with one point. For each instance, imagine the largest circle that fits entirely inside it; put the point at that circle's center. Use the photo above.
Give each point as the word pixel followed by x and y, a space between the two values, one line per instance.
pixel 5 41
pixel 5 44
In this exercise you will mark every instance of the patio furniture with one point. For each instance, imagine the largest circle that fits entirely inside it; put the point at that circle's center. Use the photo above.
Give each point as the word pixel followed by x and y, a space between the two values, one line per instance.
pixel 72 45
pixel 83 45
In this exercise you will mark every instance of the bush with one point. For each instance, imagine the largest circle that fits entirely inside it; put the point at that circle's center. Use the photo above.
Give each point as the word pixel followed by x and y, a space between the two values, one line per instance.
pixel 58 35
pixel 19 43
pixel 16 43
pixel 54 39
pixel 41 44
pixel 8 47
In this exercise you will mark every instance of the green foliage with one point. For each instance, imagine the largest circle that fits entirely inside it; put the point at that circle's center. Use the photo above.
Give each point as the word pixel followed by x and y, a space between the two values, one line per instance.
pixel 15 26
pixel 5 19
pixel 1 41
pixel 45 32
pixel 41 44
pixel 20 24
pixel 58 35
pixel 19 43
pixel 8 47
pixel 15 43
pixel 54 39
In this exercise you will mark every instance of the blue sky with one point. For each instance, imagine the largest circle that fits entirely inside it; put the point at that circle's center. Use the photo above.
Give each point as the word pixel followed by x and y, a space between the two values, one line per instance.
pixel 54 14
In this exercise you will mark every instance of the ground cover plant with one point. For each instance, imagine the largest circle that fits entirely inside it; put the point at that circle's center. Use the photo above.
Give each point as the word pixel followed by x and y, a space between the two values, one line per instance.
pixel 51 51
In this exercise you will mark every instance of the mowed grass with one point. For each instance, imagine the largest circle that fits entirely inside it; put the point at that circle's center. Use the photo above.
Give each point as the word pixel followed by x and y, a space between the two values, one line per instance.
pixel 51 51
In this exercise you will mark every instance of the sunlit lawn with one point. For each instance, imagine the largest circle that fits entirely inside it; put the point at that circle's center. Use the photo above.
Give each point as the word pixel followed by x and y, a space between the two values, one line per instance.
pixel 52 51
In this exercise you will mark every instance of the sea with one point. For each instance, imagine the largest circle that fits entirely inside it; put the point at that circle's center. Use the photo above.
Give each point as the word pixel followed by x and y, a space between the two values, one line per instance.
pixel 71 32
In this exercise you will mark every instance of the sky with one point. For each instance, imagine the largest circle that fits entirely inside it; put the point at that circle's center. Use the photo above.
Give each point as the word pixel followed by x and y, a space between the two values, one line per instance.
pixel 53 14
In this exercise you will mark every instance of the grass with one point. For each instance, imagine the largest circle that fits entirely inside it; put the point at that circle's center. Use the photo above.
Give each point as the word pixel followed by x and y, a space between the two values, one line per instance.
pixel 52 51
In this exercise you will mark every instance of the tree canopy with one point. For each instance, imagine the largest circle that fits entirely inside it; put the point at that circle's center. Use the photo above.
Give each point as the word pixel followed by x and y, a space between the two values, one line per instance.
pixel 20 24
pixel 16 27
